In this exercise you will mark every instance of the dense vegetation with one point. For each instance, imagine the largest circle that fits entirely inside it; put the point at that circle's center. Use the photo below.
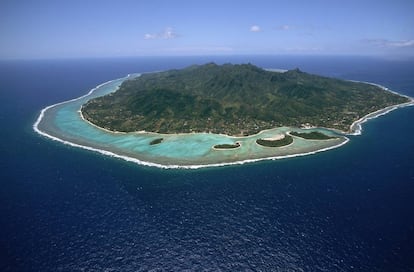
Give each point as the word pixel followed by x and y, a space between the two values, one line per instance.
pixel 227 146
pixel 234 100
pixel 156 141
pixel 287 140
pixel 314 135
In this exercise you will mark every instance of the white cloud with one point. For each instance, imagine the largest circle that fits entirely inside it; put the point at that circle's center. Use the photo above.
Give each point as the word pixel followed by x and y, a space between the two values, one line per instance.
pixel 167 34
pixel 407 43
pixel 204 49
pixel 391 44
pixel 150 36
pixel 284 27
pixel 255 28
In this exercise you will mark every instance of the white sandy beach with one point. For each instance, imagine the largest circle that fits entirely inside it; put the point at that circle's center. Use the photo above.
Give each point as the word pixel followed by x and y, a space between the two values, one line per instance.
pixel 277 137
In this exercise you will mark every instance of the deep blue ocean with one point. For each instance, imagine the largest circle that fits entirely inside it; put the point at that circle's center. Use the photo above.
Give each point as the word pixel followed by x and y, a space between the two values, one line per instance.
pixel 68 209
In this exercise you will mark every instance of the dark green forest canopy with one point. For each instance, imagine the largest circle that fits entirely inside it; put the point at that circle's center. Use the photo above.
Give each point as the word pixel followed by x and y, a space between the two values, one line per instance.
pixel 234 100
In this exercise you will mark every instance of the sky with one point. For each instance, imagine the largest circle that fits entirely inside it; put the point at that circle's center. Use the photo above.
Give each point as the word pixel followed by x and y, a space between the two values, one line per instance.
pixel 102 28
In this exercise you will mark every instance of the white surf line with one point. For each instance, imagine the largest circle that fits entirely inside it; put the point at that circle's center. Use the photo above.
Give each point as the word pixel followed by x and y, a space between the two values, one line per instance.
pixel 168 166
pixel 196 166
pixel 42 112
pixel 357 125
pixel 104 152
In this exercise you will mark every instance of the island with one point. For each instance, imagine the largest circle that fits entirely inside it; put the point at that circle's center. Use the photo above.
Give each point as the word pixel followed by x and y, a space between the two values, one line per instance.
pixel 235 100
pixel 213 115
pixel 276 141
pixel 156 141
pixel 314 135
pixel 227 146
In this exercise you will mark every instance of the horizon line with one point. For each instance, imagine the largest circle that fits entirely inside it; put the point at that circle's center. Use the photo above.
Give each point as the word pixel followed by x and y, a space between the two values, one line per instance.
pixel 375 56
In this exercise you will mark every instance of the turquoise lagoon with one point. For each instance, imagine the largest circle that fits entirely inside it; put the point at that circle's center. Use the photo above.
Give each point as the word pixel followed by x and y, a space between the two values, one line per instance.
pixel 63 122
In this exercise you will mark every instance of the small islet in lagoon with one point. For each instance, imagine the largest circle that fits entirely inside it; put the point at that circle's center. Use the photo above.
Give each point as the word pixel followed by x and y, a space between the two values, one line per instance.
pixel 241 113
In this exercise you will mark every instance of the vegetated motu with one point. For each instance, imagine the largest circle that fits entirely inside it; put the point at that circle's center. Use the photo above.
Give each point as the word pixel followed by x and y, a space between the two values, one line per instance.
pixel 313 135
pixel 234 100
pixel 287 140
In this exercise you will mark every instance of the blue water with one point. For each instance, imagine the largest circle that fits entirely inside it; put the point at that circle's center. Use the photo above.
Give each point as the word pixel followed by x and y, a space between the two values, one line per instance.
pixel 67 209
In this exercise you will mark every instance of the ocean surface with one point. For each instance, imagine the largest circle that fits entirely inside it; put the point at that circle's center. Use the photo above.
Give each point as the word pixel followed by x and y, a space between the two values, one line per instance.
pixel 67 209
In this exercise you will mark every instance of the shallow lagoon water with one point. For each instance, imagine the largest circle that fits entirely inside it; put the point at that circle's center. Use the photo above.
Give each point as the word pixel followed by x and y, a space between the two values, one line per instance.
pixel 63 122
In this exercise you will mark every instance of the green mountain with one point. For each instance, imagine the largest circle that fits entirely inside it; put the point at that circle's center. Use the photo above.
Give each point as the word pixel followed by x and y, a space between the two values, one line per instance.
pixel 234 100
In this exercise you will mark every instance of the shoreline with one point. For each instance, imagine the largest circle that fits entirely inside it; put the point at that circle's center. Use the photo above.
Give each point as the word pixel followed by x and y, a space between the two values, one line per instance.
pixel 42 112
pixel 356 127
pixel 92 124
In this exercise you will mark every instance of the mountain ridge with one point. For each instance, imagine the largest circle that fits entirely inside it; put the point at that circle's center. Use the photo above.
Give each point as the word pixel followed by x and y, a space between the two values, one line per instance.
pixel 239 99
